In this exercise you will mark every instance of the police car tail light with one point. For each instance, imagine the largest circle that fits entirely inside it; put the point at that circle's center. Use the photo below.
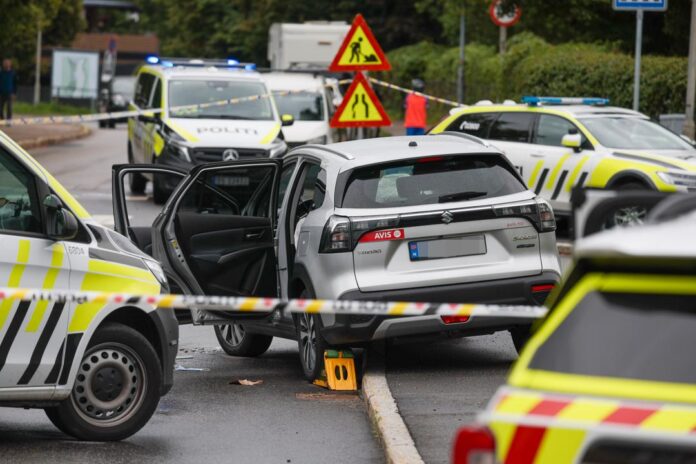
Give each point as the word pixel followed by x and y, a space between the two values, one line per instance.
pixel 336 237
pixel 474 445
pixel 538 213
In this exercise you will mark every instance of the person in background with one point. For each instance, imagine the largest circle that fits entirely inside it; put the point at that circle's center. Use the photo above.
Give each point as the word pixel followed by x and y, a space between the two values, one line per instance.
pixel 8 88
pixel 416 107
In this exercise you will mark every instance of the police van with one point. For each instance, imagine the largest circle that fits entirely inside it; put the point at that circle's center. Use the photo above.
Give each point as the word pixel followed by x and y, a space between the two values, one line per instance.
pixel 196 111
pixel 97 369
pixel 558 144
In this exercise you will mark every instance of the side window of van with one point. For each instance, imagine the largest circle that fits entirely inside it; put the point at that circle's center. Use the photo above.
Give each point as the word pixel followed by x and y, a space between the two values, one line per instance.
pixel 143 89
pixel 157 95
pixel 476 124
pixel 19 203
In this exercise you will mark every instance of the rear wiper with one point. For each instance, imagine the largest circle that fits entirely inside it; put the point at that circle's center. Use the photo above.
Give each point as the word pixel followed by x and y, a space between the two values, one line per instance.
pixel 460 196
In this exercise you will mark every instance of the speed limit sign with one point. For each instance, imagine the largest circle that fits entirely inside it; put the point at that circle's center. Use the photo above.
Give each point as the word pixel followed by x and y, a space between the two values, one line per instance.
pixel 502 18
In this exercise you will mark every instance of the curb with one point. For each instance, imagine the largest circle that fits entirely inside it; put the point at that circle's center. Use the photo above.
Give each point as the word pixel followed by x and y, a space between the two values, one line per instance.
pixel 38 142
pixel 399 447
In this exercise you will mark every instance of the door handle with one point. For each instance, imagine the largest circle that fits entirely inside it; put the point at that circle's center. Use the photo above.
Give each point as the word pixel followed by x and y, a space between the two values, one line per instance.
pixel 253 235
pixel 537 155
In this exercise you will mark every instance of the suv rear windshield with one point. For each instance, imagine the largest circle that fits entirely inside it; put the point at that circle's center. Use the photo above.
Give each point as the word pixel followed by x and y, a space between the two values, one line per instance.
pixel 436 179
pixel 627 336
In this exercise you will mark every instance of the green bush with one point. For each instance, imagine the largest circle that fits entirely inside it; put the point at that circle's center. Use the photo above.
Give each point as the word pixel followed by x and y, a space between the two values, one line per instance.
pixel 531 66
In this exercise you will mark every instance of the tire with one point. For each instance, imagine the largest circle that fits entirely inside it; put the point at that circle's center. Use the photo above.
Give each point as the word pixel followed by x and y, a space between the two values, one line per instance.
pixel 159 194
pixel 627 215
pixel 122 406
pixel 136 182
pixel 520 336
pixel 102 124
pixel 310 343
pixel 111 124
pixel 236 341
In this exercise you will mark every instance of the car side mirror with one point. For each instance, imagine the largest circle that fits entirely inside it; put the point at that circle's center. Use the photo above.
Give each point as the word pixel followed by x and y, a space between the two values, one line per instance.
pixel 573 141
pixel 287 120
pixel 61 224
pixel 148 117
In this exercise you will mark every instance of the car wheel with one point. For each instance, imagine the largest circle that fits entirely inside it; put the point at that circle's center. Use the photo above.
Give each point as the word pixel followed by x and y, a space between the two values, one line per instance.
pixel 520 336
pixel 136 181
pixel 116 390
pixel 236 341
pixel 628 215
pixel 102 124
pixel 310 342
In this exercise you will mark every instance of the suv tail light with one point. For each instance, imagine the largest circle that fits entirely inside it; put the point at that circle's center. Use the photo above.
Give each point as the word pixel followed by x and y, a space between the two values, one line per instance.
pixel 342 234
pixel 474 445
pixel 539 213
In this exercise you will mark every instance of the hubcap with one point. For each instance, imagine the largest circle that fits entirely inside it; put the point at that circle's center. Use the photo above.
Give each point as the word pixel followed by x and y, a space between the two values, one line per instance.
pixel 308 341
pixel 233 334
pixel 630 216
pixel 110 385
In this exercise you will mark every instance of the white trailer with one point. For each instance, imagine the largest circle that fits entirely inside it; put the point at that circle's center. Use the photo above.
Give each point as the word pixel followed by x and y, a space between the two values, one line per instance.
pixel 310 45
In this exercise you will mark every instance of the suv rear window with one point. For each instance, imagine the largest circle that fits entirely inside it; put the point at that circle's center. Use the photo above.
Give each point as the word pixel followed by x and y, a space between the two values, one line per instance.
pixel 437 179
pixel 628 336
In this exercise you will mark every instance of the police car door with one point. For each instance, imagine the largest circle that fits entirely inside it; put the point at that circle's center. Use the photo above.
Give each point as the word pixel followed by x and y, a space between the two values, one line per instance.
pixel 139 126
pixel 31 333
pixel 556 169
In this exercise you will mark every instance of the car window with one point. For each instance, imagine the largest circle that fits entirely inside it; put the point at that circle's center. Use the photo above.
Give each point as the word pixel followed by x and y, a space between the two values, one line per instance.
pixel 185 94
pixel 628 336
pixel 284 183
pixel 551 130
pixel 143 89
pixel 19 204
pixel 476 124
pixel 633 133
pixel 313 187
pixel 512 127
pixel 157 95
pixel 436 179
pixel 303 106
pixel 237 191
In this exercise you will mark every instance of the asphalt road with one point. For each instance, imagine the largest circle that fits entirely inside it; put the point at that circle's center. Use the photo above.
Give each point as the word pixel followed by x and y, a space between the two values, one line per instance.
pixel 437 387
pixel 204 418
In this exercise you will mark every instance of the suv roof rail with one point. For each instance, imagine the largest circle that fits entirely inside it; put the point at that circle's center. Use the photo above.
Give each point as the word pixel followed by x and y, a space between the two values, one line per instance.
pixel 462 135
pixel 326 149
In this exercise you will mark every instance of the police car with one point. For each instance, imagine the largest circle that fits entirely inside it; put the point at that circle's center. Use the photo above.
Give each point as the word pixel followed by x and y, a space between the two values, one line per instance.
pixel 609 376
pixel 197 111
pixel 561 143
pixel 98 370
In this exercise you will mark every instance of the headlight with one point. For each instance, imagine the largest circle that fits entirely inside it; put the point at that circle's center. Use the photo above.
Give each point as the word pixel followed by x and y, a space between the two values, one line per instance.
pixel 180 151
pixel 321 140
pixel 678 178
pixel 157 271
pixel 278 148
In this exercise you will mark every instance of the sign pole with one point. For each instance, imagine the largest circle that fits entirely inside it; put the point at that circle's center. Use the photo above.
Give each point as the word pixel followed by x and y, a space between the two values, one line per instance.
pixel 639 50
pixel 689 126
pixel 502 39
pixel 37 65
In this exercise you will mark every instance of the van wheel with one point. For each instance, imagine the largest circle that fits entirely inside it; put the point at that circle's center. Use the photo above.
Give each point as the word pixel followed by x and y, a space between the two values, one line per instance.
pixel 236 341
pixel 116 390
pixel 310 342
pixel 136 181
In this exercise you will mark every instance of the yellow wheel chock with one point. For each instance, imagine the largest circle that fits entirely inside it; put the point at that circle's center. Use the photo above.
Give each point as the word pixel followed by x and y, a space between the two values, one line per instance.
pixel 339 371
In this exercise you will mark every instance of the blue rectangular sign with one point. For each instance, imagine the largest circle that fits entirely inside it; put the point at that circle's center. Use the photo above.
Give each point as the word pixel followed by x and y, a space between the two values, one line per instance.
pixel 634 5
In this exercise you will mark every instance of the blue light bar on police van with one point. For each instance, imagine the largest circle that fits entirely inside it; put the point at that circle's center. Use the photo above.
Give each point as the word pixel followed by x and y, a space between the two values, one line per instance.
pixel 536 101
pixel 152 59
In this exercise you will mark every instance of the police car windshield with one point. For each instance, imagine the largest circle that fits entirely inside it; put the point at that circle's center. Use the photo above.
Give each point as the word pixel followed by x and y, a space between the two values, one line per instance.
pixel 303 106
pixel 633 133
pixel 436 179
pixel 186 92
pixel 628 336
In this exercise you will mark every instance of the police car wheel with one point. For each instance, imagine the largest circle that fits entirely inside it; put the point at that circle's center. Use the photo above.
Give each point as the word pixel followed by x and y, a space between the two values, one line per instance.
pixel 236 341
pixel 310 342
pixel 116 390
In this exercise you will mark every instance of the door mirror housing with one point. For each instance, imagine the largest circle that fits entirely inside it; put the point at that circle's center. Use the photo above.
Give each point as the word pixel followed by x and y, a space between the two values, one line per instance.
pixel 61 224
pixel 148 117
pixel 287 120
pixel 573 141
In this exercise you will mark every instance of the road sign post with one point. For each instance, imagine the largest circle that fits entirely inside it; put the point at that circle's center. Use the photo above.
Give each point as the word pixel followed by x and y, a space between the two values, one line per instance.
pixel 503 19
pixel 639 6
pixel 689 126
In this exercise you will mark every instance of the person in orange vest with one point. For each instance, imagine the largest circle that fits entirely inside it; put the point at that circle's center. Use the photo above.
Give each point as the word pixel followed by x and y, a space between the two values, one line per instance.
pixel 416 109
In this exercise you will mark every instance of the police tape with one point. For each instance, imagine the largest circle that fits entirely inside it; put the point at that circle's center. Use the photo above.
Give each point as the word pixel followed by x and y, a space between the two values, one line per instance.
pixel 406 90
pixel 268 305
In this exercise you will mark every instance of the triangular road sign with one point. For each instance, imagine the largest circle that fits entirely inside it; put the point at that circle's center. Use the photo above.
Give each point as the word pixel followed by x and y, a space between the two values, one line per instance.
pixel 360 50
pixel 360 107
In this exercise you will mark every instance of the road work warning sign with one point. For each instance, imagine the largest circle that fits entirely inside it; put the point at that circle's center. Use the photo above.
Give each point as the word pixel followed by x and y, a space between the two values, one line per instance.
pixel 360 50
pixel 360 107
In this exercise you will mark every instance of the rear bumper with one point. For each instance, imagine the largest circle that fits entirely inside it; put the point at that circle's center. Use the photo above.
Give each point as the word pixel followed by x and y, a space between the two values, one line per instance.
pixel 347 330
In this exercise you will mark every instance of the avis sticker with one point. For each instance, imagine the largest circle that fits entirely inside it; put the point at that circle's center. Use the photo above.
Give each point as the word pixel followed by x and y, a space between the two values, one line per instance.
pixel 383 235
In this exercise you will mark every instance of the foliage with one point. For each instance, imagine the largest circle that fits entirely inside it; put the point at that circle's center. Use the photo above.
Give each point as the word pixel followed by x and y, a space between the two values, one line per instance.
pixel 45 109
pixel 532 66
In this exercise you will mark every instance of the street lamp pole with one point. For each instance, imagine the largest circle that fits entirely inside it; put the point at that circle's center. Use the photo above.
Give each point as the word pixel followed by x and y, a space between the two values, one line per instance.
pixel 37 70
pixel 639 47
pixel 689 125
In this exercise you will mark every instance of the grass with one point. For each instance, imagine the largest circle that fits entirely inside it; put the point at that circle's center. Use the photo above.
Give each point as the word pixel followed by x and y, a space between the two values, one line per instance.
pixel 48 109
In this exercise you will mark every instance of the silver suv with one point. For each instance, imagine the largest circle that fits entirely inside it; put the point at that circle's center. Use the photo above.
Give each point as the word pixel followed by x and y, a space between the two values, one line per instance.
pixel 440 218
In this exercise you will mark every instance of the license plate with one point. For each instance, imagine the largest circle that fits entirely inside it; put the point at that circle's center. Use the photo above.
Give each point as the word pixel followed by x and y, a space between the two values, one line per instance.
pixel 231 181
pixel 466 245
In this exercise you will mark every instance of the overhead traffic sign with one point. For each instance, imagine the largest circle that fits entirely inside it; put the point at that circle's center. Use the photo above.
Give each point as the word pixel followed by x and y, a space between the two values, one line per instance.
pixel 503 18
pixel 360 107
pixel 635 5
pixel 360 51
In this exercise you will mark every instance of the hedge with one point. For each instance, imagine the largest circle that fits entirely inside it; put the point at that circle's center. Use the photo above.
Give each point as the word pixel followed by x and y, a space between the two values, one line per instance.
pixel 533 67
